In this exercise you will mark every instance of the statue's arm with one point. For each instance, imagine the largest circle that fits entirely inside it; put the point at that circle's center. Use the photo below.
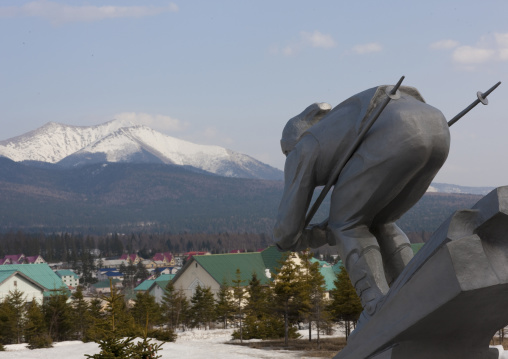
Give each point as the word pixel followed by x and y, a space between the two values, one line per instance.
pixel 299 184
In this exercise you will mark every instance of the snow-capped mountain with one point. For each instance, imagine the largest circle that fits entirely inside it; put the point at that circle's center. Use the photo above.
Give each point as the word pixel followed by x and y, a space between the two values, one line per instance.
pixel 125 141
pixel 453 188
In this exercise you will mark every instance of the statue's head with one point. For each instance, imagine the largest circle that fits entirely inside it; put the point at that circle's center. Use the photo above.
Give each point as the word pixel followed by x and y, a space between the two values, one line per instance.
pixel 296 126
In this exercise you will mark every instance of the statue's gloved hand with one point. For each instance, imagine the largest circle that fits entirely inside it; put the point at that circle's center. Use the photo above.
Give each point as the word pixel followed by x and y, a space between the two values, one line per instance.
pixel 314 236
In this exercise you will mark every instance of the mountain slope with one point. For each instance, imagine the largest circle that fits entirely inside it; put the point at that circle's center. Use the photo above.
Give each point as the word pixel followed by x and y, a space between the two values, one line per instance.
pixel 121 141
pixel 123 197
pixel 54 141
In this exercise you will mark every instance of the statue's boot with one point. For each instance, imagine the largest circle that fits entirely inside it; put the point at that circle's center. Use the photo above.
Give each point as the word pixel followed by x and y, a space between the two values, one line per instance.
pixel 370 285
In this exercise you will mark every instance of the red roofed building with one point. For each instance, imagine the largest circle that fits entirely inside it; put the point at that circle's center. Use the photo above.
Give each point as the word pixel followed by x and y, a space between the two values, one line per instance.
pixel 15 258
pixel 21 259
pixel 164 259
pixel 34 260
pixel 134 258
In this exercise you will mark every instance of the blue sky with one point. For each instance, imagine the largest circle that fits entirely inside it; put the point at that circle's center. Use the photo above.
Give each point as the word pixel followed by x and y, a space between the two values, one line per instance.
pixel 231 73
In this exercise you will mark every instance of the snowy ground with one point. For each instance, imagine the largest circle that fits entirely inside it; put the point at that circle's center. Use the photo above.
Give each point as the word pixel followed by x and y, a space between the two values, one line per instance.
pixel 195 344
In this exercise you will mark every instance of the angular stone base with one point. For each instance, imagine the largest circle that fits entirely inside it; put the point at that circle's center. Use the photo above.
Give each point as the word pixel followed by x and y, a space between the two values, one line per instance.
pixel 451 298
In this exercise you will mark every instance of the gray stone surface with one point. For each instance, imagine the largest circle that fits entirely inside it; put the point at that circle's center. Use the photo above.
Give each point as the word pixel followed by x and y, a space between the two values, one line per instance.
pixel 451 298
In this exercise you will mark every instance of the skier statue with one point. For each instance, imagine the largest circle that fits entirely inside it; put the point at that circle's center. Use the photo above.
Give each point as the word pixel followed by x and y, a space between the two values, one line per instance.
pixel 386 175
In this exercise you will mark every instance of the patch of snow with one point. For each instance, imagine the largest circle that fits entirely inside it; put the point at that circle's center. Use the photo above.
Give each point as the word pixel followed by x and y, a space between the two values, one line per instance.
pixel 193 344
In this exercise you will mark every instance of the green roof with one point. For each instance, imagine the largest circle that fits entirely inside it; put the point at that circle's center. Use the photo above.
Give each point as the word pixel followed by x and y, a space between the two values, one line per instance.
pixel 6 274
pixel 144 285
pixel 329 275
pixel 337 267
pixel 161 280
pixel 222 267
pixel 164 278
pixel 40 273
pixel 66 272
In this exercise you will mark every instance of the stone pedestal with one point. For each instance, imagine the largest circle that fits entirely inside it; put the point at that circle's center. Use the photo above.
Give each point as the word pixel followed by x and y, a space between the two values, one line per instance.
pixel 451 298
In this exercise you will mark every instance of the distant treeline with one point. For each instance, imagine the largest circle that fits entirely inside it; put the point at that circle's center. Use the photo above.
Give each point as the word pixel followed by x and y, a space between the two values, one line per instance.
pixel 68 247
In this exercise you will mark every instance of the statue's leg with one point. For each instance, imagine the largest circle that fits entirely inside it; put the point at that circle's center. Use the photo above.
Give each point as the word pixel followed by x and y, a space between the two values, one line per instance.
pixel 395 249
pixel 363 261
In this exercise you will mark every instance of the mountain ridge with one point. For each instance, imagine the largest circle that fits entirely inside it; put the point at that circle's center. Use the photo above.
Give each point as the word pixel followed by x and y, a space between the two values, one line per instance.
pixel 125 141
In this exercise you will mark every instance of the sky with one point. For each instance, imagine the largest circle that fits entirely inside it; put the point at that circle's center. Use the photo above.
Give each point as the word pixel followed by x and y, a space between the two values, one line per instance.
pixel 232 73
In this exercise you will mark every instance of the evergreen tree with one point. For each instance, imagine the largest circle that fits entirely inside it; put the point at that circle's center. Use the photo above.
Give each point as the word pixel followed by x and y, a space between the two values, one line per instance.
pixel 345 304
pixel 36 332
pixel 174 306
pixel 287 290
pixel 119 320
pixel 238 294
pixel 113 346
pixel 80 313
pixel 13 315
pixel 98 322
pixel 224 306
pixel 87 268
pixel 58 314
pixel 315 290
pixel 145 307
pixel 129 274
pixel 202 307
pixel 141 272
pixel 260 323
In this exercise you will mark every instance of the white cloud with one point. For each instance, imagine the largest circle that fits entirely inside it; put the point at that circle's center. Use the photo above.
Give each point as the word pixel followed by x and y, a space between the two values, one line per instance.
pixel 367 48
pixel 502 43
pixel 489 48
pixel 314 39
pixel 157 122
pixel 444 44
pixel 58 13
pixel 468 55
pixel 317 39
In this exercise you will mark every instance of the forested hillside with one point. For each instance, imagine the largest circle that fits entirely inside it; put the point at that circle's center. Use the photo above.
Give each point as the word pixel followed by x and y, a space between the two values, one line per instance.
pixel 154 198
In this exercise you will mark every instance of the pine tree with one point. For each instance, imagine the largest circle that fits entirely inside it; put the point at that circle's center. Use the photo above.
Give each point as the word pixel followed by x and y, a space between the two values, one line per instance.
pixel 224 306
pixel 14 316
pixel 145 307
pixel 114 345
pixel 260 323
pixel 141 272
pixel 119 320
pixel 58 314
pixel 345 304
pixel 98 322
pixel 36 333
pixel 238 294
pixel 287 290
pixel 80 313
pixel 315 289
pixel 202 307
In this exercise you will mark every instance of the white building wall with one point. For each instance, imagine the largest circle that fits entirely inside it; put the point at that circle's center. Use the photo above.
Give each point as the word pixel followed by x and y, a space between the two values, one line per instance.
pixel 29 290
pixel 194 274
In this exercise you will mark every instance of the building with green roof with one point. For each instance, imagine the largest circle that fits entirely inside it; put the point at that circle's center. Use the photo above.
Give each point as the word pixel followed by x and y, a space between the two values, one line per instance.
pixel 70 278
pixel 158 287
pixel 12 280
pixel 41 274
pixel 103 286
pixel 215 269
